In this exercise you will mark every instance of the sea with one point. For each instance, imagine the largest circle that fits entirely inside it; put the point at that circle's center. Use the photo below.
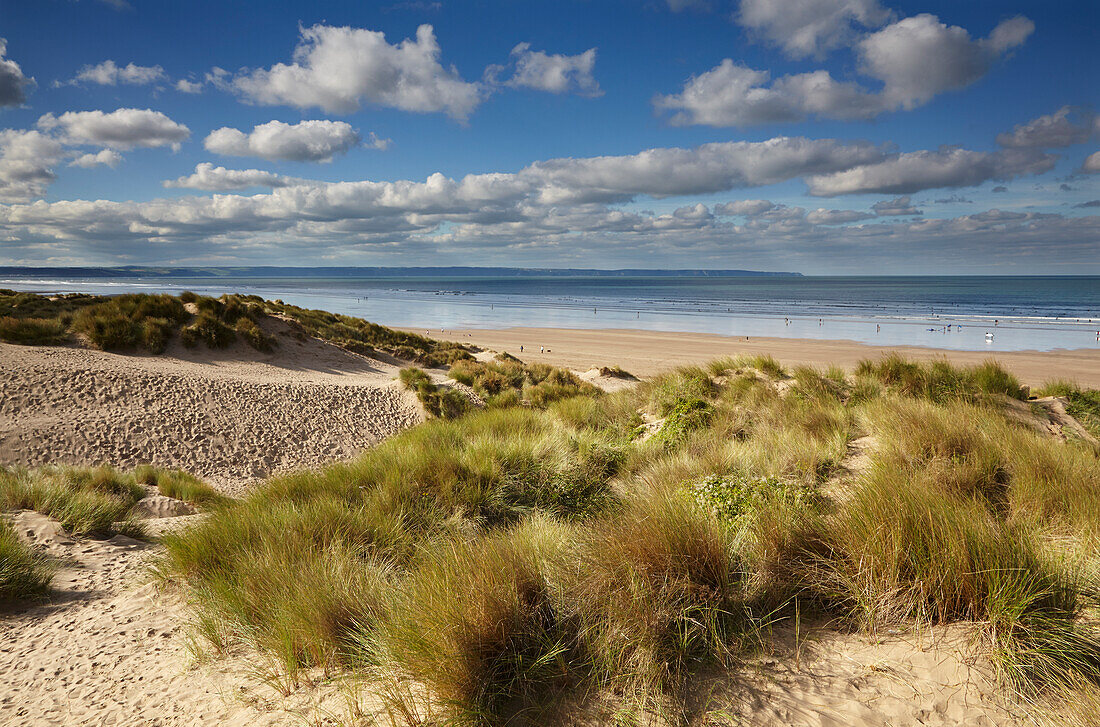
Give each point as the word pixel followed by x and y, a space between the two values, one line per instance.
pixel 963 313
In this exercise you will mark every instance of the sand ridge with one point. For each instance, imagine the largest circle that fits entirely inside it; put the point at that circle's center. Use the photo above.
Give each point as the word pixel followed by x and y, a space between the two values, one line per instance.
pixel 230 417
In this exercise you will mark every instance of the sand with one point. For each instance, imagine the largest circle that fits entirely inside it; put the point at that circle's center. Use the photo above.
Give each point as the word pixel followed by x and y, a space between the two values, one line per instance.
pixel 645 353
pixel 231 417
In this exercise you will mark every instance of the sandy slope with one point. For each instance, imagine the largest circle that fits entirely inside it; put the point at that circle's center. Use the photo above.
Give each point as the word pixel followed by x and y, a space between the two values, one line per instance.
pixel 107 649
pixel 230 417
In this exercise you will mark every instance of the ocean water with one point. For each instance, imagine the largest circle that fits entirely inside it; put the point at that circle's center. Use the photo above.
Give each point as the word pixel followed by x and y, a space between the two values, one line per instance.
pixel 949 312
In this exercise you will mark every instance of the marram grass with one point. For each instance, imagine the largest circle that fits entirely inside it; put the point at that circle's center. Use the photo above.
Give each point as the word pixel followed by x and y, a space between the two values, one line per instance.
pixel 528 558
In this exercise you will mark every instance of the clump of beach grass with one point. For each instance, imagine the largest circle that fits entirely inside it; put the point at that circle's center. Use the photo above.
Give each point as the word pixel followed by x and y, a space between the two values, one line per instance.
pixel 939 380
pixel 32 331
pixel 180 485
pixel 87 501
pixel 23 573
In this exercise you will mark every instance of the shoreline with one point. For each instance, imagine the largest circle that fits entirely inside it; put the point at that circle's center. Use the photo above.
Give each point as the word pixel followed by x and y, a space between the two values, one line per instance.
pixel 645 353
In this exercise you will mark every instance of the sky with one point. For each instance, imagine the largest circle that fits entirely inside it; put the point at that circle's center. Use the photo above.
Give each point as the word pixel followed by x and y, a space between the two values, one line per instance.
pixel 824 136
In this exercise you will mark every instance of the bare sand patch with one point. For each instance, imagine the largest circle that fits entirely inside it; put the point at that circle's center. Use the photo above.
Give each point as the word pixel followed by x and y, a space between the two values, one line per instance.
pixel 230 417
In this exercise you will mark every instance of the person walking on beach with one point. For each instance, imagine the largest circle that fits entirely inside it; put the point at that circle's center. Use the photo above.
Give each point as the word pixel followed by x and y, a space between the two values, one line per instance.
pixel 542 349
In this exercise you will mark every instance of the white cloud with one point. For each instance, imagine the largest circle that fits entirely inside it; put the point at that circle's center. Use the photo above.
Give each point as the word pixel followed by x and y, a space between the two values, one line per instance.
pixel 120 129
pixel 897 207
pixel 13 84
pixel 919 57
pixel 26 158
pixel 555 73
pixel 108 73
pixel 810 27
pixel 746 207
pixel 1049 131
pixel 185 86
pixel 306 141
pixel 104 157
pixel 340 68
pixel 822 216
pixel 915 58
pixel 708 168
pixel 915 171
pixel 731 94
pixel 554 211
pixel 374 141
pixel 209 178
pixel 1092 163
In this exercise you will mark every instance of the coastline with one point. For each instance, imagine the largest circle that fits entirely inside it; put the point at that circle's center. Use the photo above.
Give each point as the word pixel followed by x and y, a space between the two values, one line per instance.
pixel 645 353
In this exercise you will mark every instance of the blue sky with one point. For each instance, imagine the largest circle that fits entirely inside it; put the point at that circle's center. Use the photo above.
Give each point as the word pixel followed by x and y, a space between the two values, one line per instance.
pixel 828 136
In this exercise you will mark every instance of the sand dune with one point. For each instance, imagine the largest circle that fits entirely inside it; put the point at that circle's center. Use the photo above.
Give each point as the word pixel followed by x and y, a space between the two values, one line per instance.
pixel 230 417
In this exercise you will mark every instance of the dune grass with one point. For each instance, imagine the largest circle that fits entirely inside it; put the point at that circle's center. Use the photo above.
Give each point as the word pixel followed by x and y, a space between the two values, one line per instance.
pixel 1084 405
pixel 96 501
pixel 23 574
pixel 147 322
pixel 492 568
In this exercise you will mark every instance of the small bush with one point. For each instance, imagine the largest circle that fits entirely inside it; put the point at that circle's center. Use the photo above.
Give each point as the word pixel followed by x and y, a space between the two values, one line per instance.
pixel 23 574
pixel 254 336
pixel 32 331
pixel 209 329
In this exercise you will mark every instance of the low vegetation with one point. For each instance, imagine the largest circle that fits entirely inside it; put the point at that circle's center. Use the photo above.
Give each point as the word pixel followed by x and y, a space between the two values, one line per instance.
pixel 145 322
pixel 97 501
pixel 1083 405
pixel 23 573
pixel 551 551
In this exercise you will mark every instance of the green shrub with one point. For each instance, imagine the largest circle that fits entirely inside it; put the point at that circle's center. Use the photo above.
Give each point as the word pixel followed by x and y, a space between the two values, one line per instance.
pixel 254 336
pixel 208 329
pixel 32 331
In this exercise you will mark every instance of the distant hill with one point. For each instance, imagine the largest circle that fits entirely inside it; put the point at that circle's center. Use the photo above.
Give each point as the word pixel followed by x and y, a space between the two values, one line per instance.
pixel 370 272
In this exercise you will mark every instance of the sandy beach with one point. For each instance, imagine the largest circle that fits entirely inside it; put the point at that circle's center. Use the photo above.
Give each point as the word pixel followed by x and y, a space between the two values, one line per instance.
pixel 645 353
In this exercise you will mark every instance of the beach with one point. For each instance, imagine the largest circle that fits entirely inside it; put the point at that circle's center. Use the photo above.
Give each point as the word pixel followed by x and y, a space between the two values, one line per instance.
pixel 645 353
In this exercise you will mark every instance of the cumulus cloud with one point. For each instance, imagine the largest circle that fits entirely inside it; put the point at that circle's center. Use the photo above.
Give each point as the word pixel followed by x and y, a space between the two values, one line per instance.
pixel 13 84
pixel 209 178
pixel 835 217
pixel 306 141
pixel 731 94
pixel 919 170
pixel 919 57
pixel 1091 165
pixel 810 27
pixel 1050 131
pixel 120 129
pixel 746 207
pixel 1000 189
pixel 340 68
pixel 897 207
pixel 555 73
pixel 108 73
pixel 185 86
pixel 104 158
pixel 26 161
pixel 915 58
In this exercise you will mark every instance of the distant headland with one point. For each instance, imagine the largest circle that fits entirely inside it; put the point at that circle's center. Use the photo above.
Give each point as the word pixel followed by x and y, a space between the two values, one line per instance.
pixel 265 271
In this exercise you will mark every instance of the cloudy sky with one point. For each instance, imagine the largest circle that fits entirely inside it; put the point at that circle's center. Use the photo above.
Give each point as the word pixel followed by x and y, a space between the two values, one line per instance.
pixel 826 136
